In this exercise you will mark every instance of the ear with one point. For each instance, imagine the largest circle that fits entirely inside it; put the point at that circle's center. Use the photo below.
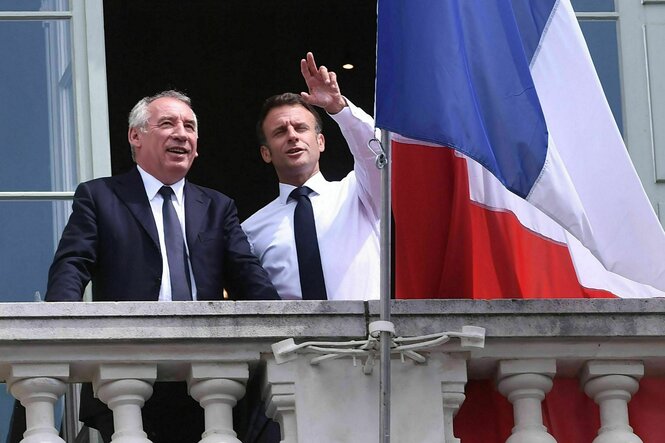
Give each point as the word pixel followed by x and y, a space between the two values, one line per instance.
pixel 133 137
pixel 321 140
pixel 265 154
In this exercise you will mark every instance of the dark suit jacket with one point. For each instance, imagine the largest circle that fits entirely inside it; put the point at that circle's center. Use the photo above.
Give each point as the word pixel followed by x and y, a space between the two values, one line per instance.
pixel 111 239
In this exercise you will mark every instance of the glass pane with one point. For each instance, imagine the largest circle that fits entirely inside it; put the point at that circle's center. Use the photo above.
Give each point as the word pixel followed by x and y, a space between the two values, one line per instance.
pixel 29 236
pixel 6 407
pixel 593 5
pixel 34 5
pixel 37 112
pixel 601 38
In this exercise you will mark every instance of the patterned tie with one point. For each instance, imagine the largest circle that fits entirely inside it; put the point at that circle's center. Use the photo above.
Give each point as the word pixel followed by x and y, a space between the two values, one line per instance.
pixel 307 246
pixel 175 249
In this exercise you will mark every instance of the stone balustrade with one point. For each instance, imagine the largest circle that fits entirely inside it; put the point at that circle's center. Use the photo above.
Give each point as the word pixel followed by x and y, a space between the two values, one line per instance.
pixel 608 345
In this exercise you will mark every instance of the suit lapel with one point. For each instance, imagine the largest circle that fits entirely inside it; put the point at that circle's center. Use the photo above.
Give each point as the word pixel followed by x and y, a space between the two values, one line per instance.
pixel 130 190
pixel 196 207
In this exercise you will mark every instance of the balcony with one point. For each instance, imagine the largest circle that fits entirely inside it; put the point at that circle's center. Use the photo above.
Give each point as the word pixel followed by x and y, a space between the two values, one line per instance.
pixel 609 346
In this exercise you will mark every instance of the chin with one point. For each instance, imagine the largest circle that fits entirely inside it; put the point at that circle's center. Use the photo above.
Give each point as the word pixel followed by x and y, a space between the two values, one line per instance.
pixel 177 173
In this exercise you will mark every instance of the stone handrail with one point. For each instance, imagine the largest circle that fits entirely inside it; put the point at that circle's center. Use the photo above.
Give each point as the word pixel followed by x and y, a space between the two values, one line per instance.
pixel 608 344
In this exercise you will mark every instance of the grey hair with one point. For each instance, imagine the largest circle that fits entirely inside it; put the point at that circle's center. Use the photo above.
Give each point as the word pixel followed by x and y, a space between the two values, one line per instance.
pixel 139 115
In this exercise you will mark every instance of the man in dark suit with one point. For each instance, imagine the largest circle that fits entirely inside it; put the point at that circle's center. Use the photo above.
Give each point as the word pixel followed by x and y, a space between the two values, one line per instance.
pixel 117 238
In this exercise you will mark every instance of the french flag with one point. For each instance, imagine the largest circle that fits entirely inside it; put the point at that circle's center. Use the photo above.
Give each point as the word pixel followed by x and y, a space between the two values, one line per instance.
pixel 538 196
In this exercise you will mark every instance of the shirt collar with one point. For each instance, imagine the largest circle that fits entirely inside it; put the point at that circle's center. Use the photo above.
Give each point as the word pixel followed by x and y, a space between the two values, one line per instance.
pixel 152 186
pixel 316 183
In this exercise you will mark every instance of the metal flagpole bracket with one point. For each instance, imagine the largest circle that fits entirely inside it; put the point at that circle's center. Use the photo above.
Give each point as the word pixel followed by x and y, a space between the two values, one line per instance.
pixel 381 157
pixel 474 337
pixel 377 327
pixel 406 347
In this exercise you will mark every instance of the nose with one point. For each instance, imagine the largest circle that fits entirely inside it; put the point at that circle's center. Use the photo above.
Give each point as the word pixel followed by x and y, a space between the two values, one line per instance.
pixel 179 132
pixel 293 134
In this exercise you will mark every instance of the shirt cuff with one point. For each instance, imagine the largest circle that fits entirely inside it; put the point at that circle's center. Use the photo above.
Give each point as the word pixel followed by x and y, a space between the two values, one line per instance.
pixel 346 115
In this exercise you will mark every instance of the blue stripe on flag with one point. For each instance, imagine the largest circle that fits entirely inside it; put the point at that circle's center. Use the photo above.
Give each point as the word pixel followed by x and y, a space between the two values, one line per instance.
pixel 456 73
pixel 532 17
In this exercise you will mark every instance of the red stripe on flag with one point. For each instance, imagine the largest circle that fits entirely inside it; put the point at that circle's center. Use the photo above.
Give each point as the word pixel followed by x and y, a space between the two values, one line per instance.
pixel 447 246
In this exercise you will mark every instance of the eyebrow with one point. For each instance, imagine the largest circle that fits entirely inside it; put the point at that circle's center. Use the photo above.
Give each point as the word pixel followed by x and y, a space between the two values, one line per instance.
pixel 296 124
pixel 175 117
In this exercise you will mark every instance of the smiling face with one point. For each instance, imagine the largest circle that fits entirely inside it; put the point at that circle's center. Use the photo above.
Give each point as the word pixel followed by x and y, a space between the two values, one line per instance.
pixel 166 146
pixel 293 144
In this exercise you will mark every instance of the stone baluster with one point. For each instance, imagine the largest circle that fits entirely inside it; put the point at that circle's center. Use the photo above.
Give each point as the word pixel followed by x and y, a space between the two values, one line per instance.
pixel 453 372
pixel 279 393
pixel 612 384
pixel 525 383
pixel 453 397
pixel 125 388
pixel 38 387
pixel 218 387
pixel 281 407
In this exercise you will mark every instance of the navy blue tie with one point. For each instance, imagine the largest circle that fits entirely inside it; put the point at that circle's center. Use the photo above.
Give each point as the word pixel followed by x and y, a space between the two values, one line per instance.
pixel 175 249
pixel 307 246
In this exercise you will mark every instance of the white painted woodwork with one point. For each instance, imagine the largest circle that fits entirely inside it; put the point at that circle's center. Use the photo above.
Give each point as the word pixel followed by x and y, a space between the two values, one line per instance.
pixel 641 29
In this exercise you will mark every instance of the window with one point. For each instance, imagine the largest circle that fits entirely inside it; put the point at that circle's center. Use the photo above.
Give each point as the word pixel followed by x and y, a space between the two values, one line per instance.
pixel 53 95
pixel 624 39
pixel 598 21
pixel 46 119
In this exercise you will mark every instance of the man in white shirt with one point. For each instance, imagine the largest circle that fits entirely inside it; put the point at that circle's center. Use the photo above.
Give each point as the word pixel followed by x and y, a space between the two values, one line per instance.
pixel 346 212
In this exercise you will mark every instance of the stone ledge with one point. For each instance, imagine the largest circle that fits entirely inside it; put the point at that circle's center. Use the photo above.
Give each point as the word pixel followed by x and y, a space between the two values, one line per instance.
pixel 256 320
pixel 536 318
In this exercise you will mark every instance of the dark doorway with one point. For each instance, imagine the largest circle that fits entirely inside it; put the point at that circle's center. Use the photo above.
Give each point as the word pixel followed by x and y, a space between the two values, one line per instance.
pixel 228 56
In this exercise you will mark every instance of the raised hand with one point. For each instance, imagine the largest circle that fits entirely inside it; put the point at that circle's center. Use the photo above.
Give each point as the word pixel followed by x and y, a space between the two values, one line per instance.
pixel 322 84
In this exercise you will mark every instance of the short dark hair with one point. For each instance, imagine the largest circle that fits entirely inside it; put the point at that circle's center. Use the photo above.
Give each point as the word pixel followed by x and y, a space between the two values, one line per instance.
pixel 285 99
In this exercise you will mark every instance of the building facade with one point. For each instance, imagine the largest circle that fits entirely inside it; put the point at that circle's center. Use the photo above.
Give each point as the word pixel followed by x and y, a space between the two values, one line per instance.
pixel 71 71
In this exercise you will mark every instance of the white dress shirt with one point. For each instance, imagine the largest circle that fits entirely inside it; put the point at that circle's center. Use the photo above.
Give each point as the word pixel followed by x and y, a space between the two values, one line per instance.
pixel 152 187
pixel 346 214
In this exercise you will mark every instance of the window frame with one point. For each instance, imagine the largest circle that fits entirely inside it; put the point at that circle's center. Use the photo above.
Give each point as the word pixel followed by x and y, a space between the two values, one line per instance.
pixel 92 147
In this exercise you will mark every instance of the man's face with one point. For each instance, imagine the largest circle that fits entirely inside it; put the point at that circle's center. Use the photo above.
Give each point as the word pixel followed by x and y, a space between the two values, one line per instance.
pixel 166 147
pixel 292 144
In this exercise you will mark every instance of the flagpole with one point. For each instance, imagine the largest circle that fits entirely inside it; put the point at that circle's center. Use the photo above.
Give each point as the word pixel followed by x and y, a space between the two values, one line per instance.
pixel 385 287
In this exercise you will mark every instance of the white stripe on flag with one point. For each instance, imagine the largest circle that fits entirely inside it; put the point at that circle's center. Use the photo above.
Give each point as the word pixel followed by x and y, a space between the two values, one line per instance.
pixel 624 230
